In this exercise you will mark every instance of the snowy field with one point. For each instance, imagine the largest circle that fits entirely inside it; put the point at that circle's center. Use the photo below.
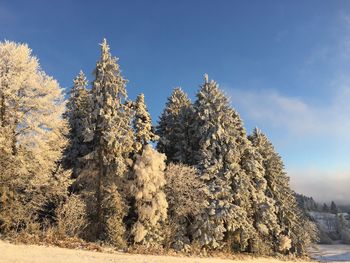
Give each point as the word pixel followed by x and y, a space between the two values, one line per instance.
pixel 331 253
pixel 10 253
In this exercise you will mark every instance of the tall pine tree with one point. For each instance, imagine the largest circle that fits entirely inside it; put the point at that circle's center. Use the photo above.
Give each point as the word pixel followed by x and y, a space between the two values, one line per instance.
pixel 110 134
pixel 219 140
pixel 262 210
pixel 175 137
pixel 76 114
pixel 293 224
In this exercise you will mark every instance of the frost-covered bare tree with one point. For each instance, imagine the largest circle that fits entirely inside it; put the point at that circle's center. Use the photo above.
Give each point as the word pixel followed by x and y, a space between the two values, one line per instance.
pixel 142 123
pixel 293 224
pixel 175 137
pixel 151 203
pixel 187 197
pixel 31 105
pixel 110 135
pixel 32 137
pixel 77 112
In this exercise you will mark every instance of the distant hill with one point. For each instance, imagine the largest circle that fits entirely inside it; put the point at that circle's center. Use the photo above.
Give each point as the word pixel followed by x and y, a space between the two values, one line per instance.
pixel 332 221
pixel 306 203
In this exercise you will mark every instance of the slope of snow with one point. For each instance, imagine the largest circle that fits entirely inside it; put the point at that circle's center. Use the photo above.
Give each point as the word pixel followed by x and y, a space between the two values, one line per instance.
pixel 326 221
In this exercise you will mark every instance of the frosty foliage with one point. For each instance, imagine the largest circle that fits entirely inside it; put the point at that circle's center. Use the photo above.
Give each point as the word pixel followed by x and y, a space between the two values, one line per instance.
pixel 220 189
pixel 284 243
pixel 219 140
pixel 109 134
pixel 142 123
pixel 293 224
pixel 262 210
pixel 343 228
pixel 187 199
pixel 71 217
pixel 77 111
pixel 31 106
pixel 175 139
pixel 151 204
pixel 32 137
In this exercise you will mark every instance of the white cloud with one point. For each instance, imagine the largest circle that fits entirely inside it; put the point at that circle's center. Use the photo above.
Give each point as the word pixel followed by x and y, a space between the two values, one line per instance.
pixel 295 115
pixel 323 186
pixel 294 120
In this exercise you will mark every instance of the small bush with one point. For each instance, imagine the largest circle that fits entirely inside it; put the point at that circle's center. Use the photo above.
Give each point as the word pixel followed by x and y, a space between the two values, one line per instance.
pixel 71 217
pixel 284 243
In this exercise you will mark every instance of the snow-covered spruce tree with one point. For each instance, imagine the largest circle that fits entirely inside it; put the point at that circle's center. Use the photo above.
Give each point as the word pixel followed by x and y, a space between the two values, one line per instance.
pixel 151 204
pixel 110 136
pixel 262 210
pixel 187 198
pixel 142 123
pixel 175 139
pixel 76 113
pixel 143 135
pixel 220 137
pixel 32 136
pixel 293 224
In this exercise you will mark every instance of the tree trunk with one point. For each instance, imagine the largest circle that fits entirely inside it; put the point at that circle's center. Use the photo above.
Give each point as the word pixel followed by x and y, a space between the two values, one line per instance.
pixel 99 196
pixel 2 111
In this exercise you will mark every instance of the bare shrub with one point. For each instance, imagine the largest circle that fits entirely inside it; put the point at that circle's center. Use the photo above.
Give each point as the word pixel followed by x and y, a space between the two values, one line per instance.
pixel 187 198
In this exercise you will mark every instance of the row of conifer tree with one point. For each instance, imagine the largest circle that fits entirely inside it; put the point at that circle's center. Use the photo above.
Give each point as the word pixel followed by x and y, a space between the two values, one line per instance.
pixel 87 168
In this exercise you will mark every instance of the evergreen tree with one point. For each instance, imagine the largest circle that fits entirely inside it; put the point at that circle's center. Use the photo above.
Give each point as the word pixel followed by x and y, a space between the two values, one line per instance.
pixel 76 114
pixel 110 135
pixel 175 137
pixel 151 204
pixel 142 123
pixel 219 139
pixel 342 226
pixel 292 222
pixel 262 212
pixel 325 208
pixel 334 209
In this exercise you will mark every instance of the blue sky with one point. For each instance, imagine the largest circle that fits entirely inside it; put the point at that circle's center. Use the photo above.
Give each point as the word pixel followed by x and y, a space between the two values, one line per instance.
pixel 285 64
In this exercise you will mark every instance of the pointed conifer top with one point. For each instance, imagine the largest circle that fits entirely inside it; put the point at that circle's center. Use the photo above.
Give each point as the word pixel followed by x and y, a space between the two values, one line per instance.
pixel 257 131
pixel 104 48
pixel 140 98
pixel 80 80
pixel 206 78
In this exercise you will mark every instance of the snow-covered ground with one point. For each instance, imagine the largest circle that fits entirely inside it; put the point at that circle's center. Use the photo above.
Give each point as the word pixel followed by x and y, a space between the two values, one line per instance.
pixel 326 221
pixel 331 253
pixel 10 253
